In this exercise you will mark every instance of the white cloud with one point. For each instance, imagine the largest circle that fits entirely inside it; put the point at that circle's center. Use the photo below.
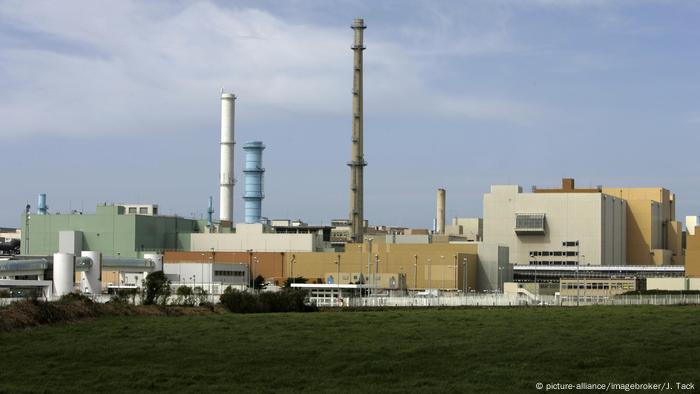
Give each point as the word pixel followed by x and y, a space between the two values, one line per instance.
pixel 129 67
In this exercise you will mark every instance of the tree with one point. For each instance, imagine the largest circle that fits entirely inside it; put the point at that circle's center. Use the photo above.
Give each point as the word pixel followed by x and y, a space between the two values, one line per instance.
pixel 298 279
pixel 157 288
pixel 258 282
pixel 185 295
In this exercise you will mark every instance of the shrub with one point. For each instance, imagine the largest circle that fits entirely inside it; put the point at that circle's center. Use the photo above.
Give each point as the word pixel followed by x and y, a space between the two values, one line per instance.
pixel 74 298
pixel 298 279
pixel 287 300
pixel 157 288
pixel 185 296
pixel 258 282
pixel 122 296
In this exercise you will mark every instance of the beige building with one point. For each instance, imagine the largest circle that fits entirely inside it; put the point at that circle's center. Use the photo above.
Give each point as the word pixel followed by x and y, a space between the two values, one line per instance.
pixel 653 234
pixel 258 237
pixel 534 225
pixel 445 266
pixel 692 254
pixel 673 284
pixel 472 229
pixel 592 289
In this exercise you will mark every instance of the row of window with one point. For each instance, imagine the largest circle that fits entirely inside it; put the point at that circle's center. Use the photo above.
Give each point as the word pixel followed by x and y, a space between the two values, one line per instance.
pixel 553 253
pixel 529 221
pixel 142 210
pixel 229 273
pixel 597 286
pixel 554 262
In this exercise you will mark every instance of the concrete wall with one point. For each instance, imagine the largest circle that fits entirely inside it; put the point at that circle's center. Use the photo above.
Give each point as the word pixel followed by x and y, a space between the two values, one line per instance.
pixel 434 262
pixel 252 236
pixel 650 224
pixel 494 268
pixel 692 255
pixel 597 221
pixel 269 265
pixel 673 284
pixel 471 228
pixel 107 231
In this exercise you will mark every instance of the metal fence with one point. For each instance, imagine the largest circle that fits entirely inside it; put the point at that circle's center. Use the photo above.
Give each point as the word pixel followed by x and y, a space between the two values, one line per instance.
pixel 509 300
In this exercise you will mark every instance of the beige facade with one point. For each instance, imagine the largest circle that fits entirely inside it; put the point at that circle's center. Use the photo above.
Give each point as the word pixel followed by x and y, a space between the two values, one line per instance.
pixel 254 236
pixel 692 254
pixel 651 226
pixel 534 226
pixel 673 284
pixel 596 287
pixel 424 265
pixel 471 229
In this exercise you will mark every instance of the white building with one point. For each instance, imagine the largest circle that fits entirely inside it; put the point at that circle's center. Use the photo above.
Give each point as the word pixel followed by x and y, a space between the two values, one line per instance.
pixel 690 223
pixel 140 209
pixel 534 226
pixel 212 277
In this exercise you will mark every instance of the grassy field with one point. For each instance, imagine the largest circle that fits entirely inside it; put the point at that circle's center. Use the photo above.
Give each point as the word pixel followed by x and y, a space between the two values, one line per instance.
pixel 457 350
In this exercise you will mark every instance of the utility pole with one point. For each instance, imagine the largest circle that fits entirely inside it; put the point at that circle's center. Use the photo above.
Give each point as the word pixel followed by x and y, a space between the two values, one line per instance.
pixel 369 259
pixel 415 272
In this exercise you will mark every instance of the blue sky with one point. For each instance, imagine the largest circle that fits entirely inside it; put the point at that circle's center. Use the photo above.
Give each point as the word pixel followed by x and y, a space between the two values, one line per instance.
pixel 117 101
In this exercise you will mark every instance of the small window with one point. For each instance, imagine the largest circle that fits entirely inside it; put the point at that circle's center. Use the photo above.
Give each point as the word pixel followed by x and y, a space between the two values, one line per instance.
pixel 132 209
pixel 143 211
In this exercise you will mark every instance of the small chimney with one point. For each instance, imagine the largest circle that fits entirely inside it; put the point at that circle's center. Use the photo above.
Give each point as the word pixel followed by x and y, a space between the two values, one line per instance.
pixel 567 184
pixel 440 214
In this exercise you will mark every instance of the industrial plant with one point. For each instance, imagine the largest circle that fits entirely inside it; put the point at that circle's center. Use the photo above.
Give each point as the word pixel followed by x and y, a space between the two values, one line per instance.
pixel 562 246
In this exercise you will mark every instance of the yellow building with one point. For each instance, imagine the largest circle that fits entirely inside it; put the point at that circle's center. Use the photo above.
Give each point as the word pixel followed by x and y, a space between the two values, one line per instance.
pixel 436 265
pixel 692 254
pixel 654 237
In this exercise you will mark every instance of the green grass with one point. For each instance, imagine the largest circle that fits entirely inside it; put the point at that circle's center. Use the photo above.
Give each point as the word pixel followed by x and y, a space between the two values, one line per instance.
pixel 456 350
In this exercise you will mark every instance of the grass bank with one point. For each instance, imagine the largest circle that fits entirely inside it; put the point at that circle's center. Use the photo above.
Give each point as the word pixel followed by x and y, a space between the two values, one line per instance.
pixel 457 350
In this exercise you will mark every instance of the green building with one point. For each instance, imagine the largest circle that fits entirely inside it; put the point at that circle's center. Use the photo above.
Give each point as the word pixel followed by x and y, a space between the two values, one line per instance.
pixel 110 230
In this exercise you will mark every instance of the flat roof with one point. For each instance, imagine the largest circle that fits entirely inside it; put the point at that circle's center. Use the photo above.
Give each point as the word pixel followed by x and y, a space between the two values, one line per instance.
pixel 619 268
pixel 328 286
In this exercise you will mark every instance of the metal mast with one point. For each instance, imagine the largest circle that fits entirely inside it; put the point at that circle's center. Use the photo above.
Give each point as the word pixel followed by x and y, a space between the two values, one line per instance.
pixel 358 162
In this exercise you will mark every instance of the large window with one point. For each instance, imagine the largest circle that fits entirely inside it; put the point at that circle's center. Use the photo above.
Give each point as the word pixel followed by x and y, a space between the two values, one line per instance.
pixel 529 223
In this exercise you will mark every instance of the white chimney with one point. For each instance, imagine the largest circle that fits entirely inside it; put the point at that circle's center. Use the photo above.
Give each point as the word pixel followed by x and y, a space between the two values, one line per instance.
pixel 228 102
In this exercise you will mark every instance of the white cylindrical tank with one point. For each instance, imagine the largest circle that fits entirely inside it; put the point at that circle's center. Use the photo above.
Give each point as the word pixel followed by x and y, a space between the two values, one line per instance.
pixel 93 276
pixel 63 273
pixel 227 148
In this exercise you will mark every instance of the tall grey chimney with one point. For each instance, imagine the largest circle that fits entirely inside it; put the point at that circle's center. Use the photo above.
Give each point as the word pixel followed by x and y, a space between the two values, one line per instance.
pixel 358 162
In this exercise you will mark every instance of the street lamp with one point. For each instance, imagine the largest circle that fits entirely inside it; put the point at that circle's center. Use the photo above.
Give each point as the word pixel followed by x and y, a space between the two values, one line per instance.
pixel 465 277
pixel 442 263
pixel 369 258
pixel 337 280
pixel 455 275
pixel 430 273
pixel 255 262
pixel 500 284
pixel 250 265
pixel 415 272
pixel 376 272
pixel 291 264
